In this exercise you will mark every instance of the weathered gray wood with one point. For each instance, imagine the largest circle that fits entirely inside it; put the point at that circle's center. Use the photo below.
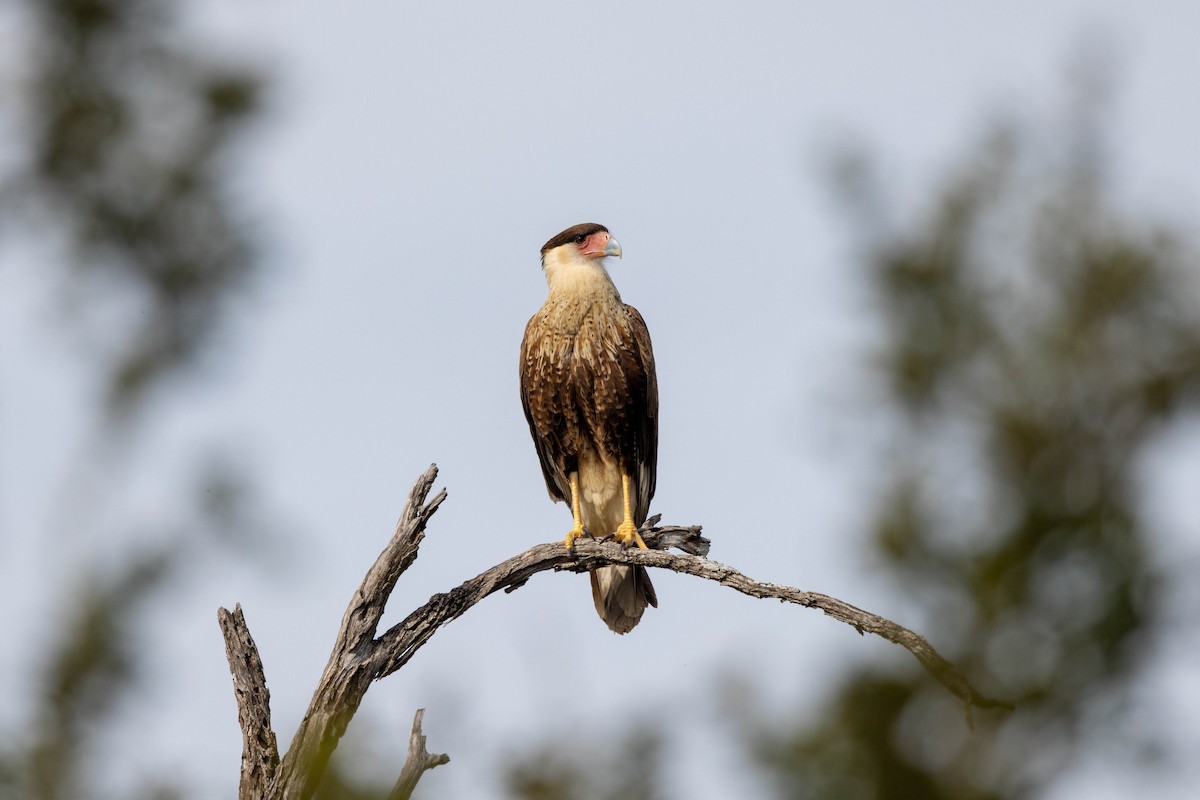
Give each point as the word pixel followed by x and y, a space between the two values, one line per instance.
pixel 397 645
pixel 419 761
pixel 260 753
pixel 360 656
pixel 351 664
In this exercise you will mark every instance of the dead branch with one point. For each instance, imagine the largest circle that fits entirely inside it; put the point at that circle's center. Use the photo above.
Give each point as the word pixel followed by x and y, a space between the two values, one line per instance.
pixel 260 754
pixel 419 760
pixel 360 657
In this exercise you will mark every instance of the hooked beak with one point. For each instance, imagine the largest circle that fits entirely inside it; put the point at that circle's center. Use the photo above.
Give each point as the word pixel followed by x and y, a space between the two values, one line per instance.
pixel 613 248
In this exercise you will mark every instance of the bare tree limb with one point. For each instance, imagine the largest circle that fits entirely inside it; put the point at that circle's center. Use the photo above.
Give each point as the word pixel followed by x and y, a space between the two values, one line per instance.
pixel 360 657
pixel 418 761
pixel 396 646
pixel 350 669
pixel 260 753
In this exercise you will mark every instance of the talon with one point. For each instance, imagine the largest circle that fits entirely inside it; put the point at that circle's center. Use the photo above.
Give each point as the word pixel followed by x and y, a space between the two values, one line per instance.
pixel 572 535
pixel 627 534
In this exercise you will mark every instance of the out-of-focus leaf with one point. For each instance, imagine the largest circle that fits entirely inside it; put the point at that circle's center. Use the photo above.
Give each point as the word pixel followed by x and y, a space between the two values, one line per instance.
pixel 128 158
pixel 1039 334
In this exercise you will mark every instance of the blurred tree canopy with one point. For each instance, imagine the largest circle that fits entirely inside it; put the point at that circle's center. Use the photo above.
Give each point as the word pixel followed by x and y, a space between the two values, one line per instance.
pixel 125 155
pixel 122 170
pixel 1037 337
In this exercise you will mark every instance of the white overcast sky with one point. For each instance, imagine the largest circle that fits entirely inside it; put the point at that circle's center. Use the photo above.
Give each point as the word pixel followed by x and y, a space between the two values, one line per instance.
pixel 414 159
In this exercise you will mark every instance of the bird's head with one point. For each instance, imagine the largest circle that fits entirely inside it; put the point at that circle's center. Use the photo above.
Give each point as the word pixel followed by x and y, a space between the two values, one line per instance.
pixel 583 243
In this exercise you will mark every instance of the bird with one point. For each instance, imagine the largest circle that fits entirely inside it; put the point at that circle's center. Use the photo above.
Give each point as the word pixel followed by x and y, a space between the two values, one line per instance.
pixel 590 395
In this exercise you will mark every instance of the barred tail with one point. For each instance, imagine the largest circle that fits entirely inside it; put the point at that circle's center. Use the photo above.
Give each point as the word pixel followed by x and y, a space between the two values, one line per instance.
pixel 621 595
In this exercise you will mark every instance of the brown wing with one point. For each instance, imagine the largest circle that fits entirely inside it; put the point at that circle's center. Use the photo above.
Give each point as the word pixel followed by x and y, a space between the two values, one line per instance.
pixel 644 429
pixel 616 400
pixel 545 426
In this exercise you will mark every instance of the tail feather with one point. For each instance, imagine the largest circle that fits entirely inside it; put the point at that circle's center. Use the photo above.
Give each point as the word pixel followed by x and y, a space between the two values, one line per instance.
pixel 621 594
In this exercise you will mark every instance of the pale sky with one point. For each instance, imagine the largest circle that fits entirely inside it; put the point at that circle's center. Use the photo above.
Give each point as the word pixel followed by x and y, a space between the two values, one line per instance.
pixel 414 159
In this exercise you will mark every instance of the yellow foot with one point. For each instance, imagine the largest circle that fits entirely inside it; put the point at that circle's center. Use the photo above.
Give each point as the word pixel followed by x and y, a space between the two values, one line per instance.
pixel 627 534
pixel 574 534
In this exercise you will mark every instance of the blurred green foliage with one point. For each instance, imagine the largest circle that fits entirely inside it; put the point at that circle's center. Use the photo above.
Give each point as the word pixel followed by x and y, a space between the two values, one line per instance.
pixel 90 666
pixel 630 767
pixel 123 163
pixel 1037 337
pixel 126 157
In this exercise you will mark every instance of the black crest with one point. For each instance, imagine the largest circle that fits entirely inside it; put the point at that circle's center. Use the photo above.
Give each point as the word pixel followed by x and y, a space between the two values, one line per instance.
pixel 583 229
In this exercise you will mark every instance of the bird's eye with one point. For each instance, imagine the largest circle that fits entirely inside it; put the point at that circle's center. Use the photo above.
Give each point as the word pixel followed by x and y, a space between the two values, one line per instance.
pixel 580 239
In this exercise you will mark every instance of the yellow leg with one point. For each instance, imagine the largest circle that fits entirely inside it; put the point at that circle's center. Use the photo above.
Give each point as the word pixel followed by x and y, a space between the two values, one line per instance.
pixel 627 532
pixel 577 528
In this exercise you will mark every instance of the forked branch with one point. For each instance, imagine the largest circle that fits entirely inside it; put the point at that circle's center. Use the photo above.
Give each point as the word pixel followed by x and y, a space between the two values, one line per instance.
pixel 418 762
pixel 359 656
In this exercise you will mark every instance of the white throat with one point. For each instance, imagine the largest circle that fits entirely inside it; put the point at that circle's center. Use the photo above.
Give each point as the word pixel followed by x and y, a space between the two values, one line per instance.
pixel 570 275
